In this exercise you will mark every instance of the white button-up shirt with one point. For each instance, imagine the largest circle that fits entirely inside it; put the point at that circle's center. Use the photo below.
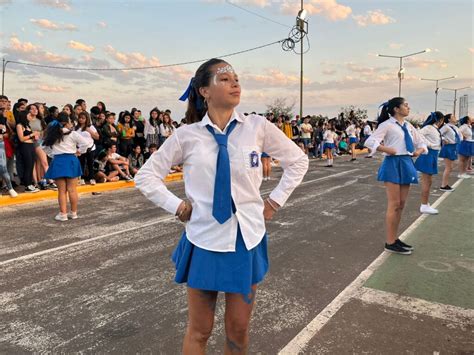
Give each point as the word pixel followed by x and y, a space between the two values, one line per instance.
pixel 329 136
pixel 70 144
pixel 432 137
pixel 393 136
pixel 195 147
pixel 367 131
pixel 448 133
pixel 466 132
pixel 352 131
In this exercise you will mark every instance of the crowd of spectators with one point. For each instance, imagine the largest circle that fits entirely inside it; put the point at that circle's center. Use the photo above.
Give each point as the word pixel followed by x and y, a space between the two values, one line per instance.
pixel 120 144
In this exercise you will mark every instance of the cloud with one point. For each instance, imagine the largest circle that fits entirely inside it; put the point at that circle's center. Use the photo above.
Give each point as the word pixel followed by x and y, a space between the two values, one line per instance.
pixel 272 78
pixel 396 45
pixel 134 59
pixel 39 34
pixel 259 3
pixel 80 46
pixel 225 19
pixel 5 2
pixel 28 51
pixel 329 9
pixel 47 88
pixel 49 25
pixel 102 24
pixel 361 70
pixel 329 71
pixel 58 4
pixel 471 50
pixel 416 62
pixel 376 17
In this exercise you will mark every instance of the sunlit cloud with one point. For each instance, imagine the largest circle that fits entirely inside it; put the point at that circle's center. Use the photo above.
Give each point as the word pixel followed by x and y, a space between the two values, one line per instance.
pixel 395 45
pixel 49 25
pixel 47 88
pixel 376 17
pixel 259 3
pixel 131 59
pixel 329 9
pixel 329 71
pixel 102 24
pixel 80 46
pixel 471 50
pixel 273 78
pixel 417 62
pixel 58 4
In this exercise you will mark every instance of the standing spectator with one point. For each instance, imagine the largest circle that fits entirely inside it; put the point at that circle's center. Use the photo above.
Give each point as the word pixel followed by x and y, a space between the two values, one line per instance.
pixel 166 128
pixel 126 130
pixel 295 132
pixel 109 131
pixel 3 156
pixel 139 128
pixel 38 125
pixel 99 124
pixel 101 106
pixel 136 159
pixel 287 129
pixel 152 128
pixel 10 136
pixel 85 128
pixel 306 131
pixel 26 148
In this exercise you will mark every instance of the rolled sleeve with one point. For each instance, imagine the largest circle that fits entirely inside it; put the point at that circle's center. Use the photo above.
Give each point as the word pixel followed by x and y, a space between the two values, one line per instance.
pixel 292 160
pixel 375 139
pixel 150 178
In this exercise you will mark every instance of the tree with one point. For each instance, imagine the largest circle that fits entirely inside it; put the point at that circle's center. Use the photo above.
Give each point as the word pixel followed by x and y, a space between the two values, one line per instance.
pixel 279 107
pixel 357 113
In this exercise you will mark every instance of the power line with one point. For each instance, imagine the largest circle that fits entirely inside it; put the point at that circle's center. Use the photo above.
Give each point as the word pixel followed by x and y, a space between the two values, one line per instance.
pixel 147 67
pixel 256 14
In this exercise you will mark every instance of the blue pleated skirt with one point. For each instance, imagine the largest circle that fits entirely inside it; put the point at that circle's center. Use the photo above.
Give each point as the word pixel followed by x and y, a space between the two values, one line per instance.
pixel 398 169
pixel 353 140
pixel 449 151
pixel 428 163
pixel 466 148
pixel 329 146
pixel 233 272
pixel 64 166
pixel 265 155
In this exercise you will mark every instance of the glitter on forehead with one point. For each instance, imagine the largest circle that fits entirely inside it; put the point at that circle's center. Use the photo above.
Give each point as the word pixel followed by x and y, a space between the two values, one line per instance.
pixel 226 69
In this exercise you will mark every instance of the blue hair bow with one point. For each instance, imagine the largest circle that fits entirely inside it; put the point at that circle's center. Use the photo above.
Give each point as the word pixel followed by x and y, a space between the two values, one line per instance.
pixel 55 123
pixel 385 104
pixel 186 93
pixel 430 120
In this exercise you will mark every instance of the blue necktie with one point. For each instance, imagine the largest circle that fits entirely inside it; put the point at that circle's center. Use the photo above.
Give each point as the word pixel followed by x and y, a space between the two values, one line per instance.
pixel 456 135
pixel 408 141
pixel 222 205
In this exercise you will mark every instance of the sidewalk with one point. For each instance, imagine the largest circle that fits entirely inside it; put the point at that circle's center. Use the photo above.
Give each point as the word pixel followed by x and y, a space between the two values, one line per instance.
pixel 6 200
pixel 418 304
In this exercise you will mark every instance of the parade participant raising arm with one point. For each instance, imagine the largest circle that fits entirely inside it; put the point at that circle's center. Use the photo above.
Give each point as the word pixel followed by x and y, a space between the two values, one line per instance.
pixel 224 246
pixel 401 143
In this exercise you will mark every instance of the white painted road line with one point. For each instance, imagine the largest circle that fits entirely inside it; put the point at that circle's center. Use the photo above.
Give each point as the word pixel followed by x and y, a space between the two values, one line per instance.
pixel 416 305
pixel 159 220
pixel 300 341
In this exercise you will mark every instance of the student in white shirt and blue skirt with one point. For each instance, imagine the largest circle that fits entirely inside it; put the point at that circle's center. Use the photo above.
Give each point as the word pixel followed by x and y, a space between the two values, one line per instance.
pixel 427 164
pixel 449 150
pixel 63 143
pixel 401 142
pixel 224 246
pixel 353 132
pixel 466 147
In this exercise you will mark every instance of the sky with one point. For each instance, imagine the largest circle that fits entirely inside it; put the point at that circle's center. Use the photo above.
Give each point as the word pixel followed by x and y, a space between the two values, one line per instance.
pixel 341 67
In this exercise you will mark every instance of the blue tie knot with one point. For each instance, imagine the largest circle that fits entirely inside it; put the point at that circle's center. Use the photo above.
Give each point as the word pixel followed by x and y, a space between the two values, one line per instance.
pixel 221 139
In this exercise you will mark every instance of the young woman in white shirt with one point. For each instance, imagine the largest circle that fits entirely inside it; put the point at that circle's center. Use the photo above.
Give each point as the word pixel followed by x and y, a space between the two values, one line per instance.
pixel 449 150
pixel 166 128
pixel 224 247
pixel 65 167
pixel 401 142
pixel 353 132
pixel 329 137
pixel 466 148
pixel 427 164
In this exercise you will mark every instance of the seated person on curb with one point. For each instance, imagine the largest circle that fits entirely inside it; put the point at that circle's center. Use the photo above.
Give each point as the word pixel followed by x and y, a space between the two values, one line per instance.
pixel 102 172
pixel 151 149
pixel 343 146
pixel 118 163
pixel 136 159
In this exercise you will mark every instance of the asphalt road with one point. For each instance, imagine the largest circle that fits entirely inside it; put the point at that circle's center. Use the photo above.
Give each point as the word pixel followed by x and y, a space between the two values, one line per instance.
pixel 104 283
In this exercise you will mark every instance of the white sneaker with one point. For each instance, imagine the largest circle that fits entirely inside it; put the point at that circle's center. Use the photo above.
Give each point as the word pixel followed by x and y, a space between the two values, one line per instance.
pixel 92 182
pixel 464 176
pixel 61 217
pixel 12 193
pixel 72 215
pixel 31 189
pixel 427 209
pixel 82 182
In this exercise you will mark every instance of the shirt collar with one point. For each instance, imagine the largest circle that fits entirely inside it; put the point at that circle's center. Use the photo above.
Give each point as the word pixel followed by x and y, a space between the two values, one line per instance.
pixel 394 120
pixel 207 121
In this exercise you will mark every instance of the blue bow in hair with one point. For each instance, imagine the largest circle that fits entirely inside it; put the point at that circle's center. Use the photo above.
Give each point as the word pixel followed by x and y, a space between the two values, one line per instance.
pixel 430 120
pixel 56 123
pixel 185 95
pixel 385 104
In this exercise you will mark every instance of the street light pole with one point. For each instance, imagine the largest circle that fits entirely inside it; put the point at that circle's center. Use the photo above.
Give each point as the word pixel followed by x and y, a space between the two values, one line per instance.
pixel 4 66
pixel 455 95
pixel 437 87
pixel 401 70
pixel 301 66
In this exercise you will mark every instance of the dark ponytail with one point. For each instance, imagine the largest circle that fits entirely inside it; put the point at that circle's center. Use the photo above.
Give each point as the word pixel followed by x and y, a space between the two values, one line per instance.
pixel 196 106
pixel 388 109
pixel 447 117
pixel 433 118
pixel 463 120
pixel 54 131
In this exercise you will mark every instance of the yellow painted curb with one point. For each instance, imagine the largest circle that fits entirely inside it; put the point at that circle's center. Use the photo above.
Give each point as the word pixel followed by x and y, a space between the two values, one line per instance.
pixel 52 195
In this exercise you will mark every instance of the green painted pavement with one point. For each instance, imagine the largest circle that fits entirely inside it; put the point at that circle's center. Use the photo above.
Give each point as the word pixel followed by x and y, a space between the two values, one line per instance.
pixel 441 268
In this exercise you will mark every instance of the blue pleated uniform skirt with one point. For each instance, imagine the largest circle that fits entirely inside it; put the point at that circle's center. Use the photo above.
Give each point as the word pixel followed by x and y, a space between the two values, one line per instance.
pixel 398 169
pixel 64 166
pixel 233 272
pixel 449 151
pixel 353 140
pixel 265 155
pixel 466 148
pixel 428 163
pixel 329 146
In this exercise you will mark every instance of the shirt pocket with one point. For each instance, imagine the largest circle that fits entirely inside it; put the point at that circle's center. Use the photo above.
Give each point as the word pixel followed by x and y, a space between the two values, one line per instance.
pixel 250 159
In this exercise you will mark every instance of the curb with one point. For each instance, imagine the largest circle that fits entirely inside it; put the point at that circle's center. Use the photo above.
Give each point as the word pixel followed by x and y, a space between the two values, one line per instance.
pixel 23 198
